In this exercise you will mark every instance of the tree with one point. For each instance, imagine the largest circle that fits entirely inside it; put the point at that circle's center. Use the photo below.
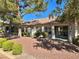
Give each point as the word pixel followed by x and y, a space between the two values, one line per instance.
pixel 71 15
pixel 10 9
pixel 58 10
pixel 8 12
pixel 31 6
pixel 71 11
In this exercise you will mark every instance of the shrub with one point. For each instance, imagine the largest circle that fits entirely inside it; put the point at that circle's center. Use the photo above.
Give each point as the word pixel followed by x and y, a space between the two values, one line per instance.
pixel 23 34
pixel 14 33
pixel 45 34
pixel 76 41
pixel 7 45
pixel 26 34
pixel 17 49
pixel 38 33
pixel 2 40
pixel 1 31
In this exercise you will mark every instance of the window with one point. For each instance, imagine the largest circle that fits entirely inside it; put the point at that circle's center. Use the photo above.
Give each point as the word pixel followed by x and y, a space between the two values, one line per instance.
pixel 61 32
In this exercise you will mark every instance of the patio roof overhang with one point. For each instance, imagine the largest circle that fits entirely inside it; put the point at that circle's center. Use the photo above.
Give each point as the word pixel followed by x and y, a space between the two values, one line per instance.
pixel 48 24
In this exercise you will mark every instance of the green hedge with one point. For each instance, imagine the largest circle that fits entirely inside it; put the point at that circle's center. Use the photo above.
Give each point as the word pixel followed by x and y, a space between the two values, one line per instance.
pixel 7 45
pixel 76 41
pixel 26 34
pixel 44 34
pixel 17 49
pixel 2 40
pixel 38 33
pixel 1 31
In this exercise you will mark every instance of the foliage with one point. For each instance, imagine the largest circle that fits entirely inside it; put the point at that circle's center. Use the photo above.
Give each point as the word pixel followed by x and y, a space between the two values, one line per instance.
pixel 10 46
pixel 7 5
pixel 14 33
pixel 1 30
pixel 45 34
pixel 76 41
pixel 26 34
pixel 17 49
pixel 57 11
pixel 7 45
pixel 38 33
pixel 39 5
pixel 71 11
pixel 58 1
pixel 2 40
pixel 9 11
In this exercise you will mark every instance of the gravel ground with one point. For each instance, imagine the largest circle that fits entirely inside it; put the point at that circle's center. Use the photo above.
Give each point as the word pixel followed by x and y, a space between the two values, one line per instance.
pixel 42 53
pixel 3 57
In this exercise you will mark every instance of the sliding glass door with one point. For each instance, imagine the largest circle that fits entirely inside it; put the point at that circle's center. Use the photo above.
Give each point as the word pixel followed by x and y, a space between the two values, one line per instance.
pixel 61 32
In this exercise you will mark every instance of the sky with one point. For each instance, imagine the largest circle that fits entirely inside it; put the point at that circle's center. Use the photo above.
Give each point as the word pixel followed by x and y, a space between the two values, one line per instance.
pixel 51 6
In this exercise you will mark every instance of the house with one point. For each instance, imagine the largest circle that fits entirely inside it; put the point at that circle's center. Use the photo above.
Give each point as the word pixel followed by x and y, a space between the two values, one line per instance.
pixel 57 30
pixel 8 28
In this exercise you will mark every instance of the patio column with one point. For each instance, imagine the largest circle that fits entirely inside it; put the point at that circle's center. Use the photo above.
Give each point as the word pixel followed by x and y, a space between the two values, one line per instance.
pixel 29 30
pixel 70 34
pixel 33 31
pixel 24 29
pixel 53 32
pixel 19 32
pixel 42 28
pixel 76 29
pixel 4 28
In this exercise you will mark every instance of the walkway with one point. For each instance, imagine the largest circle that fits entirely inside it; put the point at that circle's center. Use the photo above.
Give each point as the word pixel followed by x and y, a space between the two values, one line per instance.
pixel 3 57
pixel 42 53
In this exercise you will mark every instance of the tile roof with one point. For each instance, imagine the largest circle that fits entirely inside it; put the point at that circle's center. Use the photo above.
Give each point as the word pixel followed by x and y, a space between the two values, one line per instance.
pixel 40 21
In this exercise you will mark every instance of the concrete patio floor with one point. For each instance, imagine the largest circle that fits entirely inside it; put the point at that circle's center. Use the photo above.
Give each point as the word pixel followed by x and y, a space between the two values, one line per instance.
pixel 42 53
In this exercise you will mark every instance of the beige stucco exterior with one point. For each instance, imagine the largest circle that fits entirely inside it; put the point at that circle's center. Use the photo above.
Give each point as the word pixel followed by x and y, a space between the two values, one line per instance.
pixel 73 28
